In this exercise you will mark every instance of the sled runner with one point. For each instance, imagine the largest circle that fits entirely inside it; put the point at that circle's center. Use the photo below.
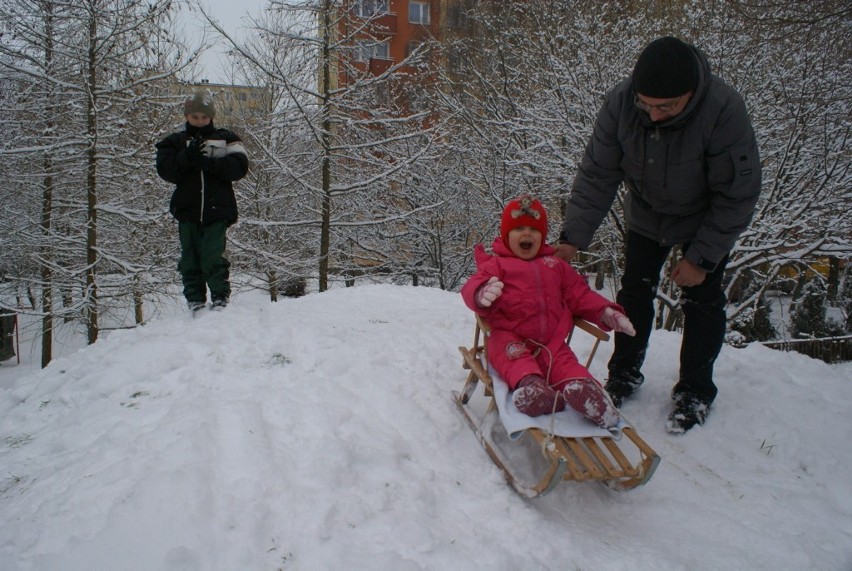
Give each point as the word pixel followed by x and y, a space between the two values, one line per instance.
pixel 572 449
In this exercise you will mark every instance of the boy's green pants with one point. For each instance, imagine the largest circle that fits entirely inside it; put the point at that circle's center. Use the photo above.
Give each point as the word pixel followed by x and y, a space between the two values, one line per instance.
pixel 202 261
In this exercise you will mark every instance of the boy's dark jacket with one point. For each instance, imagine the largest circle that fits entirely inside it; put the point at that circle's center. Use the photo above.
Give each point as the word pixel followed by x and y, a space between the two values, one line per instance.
pixel 204 192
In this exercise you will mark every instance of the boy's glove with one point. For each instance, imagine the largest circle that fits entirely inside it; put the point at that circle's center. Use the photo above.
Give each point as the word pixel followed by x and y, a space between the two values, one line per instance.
pixel 486 295
pixel 194 151
pixel 617 321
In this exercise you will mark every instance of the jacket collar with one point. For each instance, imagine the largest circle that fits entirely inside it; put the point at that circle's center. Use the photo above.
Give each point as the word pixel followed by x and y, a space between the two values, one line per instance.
pixel 205 131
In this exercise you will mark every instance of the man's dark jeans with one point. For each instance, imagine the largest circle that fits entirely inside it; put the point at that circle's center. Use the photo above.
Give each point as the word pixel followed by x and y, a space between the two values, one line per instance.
pixel 704 318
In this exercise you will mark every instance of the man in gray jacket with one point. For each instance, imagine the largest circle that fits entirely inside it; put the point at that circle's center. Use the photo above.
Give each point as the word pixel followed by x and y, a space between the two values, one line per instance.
pixel 681 142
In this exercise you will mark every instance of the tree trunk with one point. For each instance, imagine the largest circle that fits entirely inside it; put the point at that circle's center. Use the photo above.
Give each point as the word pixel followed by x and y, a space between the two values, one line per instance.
pixel 833 279
pixel 272 280
pixel 138 314
pixel 600 275
pixel 325 230
pixel 46 272
pixel 47 218
pixel 91 294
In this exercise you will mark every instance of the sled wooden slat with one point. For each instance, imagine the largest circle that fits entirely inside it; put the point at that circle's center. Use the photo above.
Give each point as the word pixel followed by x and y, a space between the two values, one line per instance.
pixel 603 460
pixel 595 473
pixel 592 330
pixel 555 450
pixel 620 457
pixel 576 459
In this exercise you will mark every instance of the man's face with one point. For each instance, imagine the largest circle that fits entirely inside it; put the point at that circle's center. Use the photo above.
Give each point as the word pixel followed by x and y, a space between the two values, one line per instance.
pixel 197 119
pixel 662 109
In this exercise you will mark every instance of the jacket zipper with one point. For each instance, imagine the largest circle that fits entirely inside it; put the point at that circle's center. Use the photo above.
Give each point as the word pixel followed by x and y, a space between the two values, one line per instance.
pixel 201 217
pixel 656 136
pixel 542 319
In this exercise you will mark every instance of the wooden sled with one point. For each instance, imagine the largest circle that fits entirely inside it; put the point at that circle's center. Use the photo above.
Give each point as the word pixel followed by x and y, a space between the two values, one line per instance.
pixel 620 464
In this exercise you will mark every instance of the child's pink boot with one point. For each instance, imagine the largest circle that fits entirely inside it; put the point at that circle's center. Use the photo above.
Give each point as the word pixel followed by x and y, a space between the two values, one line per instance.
pixel 534 397
pixel 587 397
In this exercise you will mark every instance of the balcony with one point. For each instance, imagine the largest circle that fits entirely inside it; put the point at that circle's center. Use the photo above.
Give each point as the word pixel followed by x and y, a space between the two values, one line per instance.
pixel 382 25
pixel 378 65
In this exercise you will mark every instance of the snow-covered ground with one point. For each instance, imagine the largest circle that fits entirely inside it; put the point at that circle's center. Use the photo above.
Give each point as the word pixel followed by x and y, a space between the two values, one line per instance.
pixel 320 433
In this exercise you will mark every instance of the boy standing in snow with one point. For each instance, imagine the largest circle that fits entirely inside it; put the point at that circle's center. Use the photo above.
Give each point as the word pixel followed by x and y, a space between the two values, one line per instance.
pixel 203 162
pixel 530 299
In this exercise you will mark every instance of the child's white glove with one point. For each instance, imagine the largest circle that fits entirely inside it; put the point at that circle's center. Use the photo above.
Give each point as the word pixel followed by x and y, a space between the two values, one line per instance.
pixel 617 321
pixel 486 295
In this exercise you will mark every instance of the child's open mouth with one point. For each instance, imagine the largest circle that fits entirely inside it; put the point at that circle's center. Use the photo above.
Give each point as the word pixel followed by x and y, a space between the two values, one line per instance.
pixel 525 244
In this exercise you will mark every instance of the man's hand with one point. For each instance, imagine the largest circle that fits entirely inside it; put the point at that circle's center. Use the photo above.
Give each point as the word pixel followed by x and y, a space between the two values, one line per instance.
pixel 687 274
pixel 566 251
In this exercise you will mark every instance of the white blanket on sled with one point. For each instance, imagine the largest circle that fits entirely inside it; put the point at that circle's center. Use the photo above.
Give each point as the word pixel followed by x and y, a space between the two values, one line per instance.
pixel 565 423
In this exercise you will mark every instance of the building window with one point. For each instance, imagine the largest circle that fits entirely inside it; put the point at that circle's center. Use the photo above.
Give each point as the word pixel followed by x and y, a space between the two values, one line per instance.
pixel 367 50
pixel 418 12
pixel 370 8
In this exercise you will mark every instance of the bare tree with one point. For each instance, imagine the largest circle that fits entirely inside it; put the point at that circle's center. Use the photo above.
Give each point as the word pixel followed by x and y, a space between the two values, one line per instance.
pixel 357 138
pixel 793 69
pixel 524 96
pixel 81 73
pixel 524 83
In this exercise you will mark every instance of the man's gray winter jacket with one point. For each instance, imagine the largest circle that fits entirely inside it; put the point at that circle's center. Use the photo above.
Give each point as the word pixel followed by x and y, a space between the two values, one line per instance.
pixel 692 178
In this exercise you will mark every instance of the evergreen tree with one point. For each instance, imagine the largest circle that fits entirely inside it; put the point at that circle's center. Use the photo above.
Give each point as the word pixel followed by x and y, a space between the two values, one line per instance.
pixel 755 324
pixel 807 319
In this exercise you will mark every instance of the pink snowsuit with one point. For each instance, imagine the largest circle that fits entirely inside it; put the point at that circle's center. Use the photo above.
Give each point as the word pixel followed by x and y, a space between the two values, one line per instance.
pixel 535 313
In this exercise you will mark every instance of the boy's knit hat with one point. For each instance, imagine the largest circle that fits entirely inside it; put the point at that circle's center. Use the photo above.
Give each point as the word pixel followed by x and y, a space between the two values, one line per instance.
pixel 200 102
pixel 523 211
pixel 665 68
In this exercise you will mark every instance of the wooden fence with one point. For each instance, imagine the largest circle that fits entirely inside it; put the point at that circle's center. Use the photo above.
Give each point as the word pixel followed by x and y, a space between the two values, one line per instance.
pixel 830 349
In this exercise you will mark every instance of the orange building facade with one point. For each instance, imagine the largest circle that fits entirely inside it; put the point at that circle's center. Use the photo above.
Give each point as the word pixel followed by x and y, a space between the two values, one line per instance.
pixel 387 31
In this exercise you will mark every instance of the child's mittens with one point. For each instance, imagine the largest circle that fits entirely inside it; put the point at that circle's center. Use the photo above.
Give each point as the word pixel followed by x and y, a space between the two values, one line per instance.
pixel 617 321
pixel 486 295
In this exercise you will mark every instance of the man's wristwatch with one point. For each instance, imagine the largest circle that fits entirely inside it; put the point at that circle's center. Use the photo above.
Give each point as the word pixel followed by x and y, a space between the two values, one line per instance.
pixel 706 265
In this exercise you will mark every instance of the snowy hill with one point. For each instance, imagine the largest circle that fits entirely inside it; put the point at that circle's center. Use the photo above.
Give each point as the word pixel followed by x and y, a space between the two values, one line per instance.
pixel 319 433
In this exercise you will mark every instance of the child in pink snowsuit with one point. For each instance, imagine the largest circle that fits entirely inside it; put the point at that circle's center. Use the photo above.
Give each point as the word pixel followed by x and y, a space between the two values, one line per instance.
pixel 530 298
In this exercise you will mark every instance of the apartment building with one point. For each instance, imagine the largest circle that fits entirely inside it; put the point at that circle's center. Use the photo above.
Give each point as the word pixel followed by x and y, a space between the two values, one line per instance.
pixel 386 32
pixel 235 103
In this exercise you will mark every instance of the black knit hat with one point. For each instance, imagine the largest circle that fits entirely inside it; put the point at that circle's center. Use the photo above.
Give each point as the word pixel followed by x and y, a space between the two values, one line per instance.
pixel 200 102
pixel 666 68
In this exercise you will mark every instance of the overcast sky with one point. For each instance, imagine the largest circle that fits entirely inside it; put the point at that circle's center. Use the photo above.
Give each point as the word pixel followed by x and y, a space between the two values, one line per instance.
pixel 231 15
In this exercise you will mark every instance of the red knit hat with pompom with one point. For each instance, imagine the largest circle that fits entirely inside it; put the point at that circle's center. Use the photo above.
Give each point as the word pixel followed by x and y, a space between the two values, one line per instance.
pixel 523 211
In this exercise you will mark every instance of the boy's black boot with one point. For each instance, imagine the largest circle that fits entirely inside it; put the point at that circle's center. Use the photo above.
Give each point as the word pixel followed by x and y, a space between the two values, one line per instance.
pixel 196 306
